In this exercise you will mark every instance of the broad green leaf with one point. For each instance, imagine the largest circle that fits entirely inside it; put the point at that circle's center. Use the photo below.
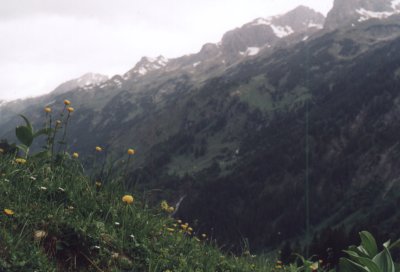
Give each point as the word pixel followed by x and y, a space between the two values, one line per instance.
pixel 42 155
pixel 364 261
pixel 395 244
pixel 354 255
pixel 28 124
pixel 43 131
pixel 387 243
pixel 24 135
pixel 368 243
pixel 347 265
pixel 384 261
pixel 23 147
pixel 359 250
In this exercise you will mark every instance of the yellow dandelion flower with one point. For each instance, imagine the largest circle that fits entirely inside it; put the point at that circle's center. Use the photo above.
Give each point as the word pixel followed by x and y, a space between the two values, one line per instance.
pixel 190 229
pixel 131 151
pixel 47 109
pixel 128 199
pixel 70 109
pixel 99 149
pixel 8 212
pixel 20 161
pixel 75 155
pixel 67 102
pixel 170 229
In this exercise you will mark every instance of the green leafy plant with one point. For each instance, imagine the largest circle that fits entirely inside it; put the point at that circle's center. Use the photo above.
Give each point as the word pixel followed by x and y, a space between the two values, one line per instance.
pixel 366 258
pixel 26 134
pixel 307 265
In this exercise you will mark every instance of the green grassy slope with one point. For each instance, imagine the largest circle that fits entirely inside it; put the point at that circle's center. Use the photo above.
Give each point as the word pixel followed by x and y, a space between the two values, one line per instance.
pixel 54 218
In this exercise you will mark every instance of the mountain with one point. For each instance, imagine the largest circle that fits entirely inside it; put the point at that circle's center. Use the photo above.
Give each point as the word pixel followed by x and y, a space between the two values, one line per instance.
pixel 86 81
pixel 347 12
pixel 223 131
pixel 265 32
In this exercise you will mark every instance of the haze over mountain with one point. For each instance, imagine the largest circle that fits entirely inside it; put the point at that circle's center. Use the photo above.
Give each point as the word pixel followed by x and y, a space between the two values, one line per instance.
pixel 224 129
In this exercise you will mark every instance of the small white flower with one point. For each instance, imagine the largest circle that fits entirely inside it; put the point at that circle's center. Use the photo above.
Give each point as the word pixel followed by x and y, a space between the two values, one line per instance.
pixel 61 189
pixel 42 188
pixel 117 223
pixel 132 236
pixel 32 178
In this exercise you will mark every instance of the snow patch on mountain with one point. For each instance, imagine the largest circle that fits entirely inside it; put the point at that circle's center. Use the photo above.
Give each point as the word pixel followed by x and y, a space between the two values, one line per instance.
pixel 262 21
pixel 282 31
pixel 91 79
pixel 250 51
pixel 312 24
pixel 368 14
pixel 146 65
pixel 395 4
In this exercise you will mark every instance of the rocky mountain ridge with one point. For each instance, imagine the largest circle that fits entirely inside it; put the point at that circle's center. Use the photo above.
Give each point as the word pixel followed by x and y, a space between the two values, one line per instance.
pixel 352 12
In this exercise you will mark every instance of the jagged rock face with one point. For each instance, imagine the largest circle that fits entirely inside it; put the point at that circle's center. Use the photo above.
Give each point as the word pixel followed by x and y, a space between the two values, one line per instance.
pixel 347 12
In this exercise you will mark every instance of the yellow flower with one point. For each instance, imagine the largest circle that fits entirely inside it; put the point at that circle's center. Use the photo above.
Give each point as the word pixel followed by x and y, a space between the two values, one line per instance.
pixel 20 160
pixel 47 109
pixel 128 199
pixel 185 226
pixel 99 149
pixel 170 229
pixel 98 184
pixel 8 212
pixel 75 155
pixel 314 266
pixel 164 205
pixel 39 235
pixel 131 151
pixel 67 102
pixel 70 109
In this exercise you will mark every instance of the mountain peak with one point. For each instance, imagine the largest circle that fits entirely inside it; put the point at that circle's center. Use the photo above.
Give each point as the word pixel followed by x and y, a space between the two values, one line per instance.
pixel 146 65
pixel 265 32
pixel 347 12
pixel 83 82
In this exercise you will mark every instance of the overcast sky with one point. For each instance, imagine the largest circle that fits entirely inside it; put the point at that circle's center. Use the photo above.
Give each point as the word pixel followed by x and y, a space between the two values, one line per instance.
pixel 47 42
